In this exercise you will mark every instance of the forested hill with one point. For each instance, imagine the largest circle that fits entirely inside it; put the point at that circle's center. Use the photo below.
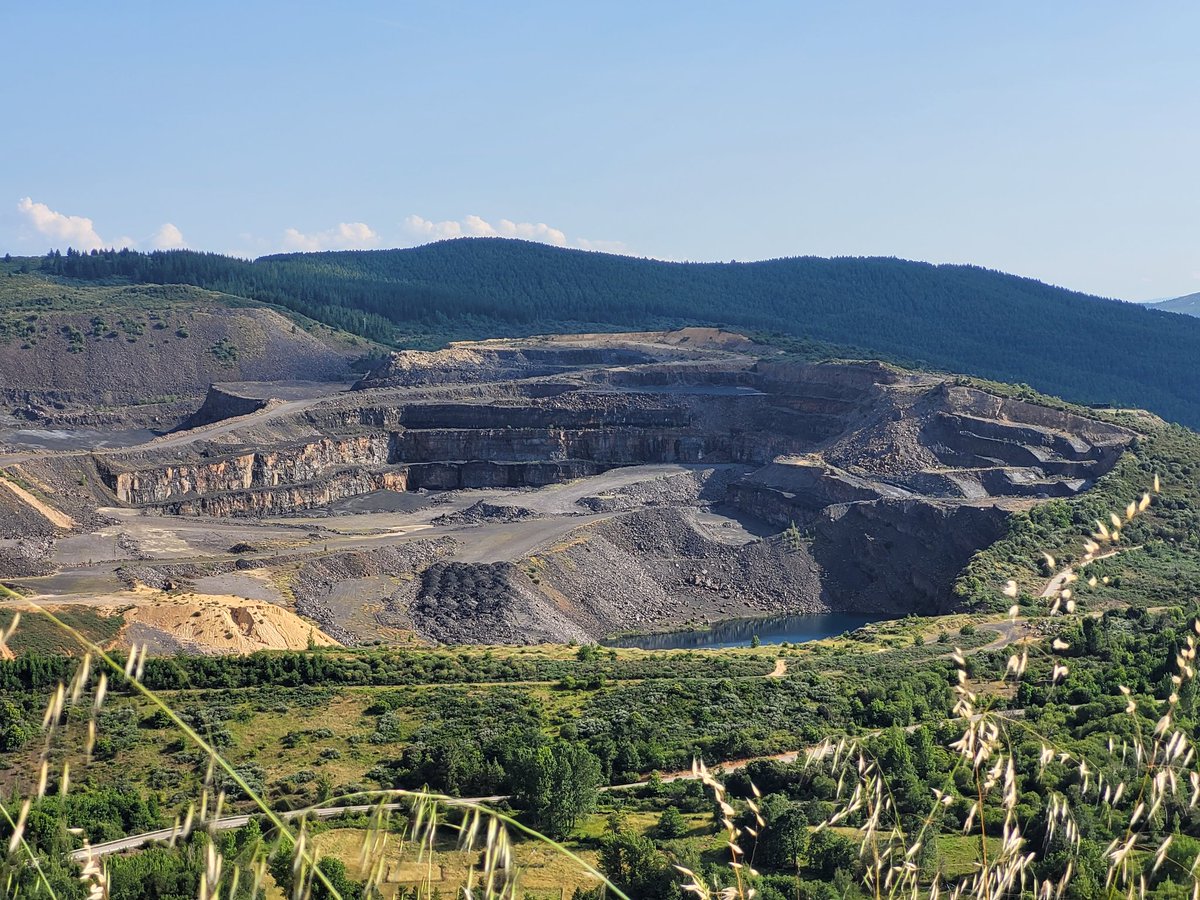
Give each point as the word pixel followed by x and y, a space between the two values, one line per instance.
pixel 957 318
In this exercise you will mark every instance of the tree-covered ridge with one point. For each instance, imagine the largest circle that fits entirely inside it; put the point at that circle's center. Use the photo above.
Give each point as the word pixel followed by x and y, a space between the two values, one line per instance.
pixel 952 317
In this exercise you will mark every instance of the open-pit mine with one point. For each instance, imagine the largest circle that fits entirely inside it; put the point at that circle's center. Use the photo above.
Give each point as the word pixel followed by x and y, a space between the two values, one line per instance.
pixel 545 489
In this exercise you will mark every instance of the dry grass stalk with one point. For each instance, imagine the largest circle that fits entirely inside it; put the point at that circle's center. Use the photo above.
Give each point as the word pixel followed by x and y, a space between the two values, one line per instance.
pixel 1135 780
pixel 493 877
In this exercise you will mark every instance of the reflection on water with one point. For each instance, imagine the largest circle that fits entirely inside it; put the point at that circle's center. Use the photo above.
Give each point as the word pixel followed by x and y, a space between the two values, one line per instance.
pixel 740 632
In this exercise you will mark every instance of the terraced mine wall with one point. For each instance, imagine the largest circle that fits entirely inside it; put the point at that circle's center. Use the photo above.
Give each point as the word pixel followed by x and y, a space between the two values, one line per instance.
pixel 432 459
pixel 895 480
pixel 446 476
pixel 337 485
pixel 615 446
pixel 287 498
pixel 449 445
pixel 241 472
pixel 926 471
pixel 786 494
pixel 1028 451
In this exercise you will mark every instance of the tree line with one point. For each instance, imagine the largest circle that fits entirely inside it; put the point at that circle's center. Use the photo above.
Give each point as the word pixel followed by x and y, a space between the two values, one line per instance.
pixel 951 317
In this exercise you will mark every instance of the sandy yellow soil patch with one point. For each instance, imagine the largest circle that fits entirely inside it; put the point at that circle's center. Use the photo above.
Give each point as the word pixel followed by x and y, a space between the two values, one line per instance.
pixel 221 623
pixel 51 515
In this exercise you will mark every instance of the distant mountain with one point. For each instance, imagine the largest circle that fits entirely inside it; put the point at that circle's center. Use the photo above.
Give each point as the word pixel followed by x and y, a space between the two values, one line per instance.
pixel 950 317
pixel 1189 304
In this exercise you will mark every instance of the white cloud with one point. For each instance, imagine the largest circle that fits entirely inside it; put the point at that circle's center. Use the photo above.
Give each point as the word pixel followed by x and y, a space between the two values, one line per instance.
pixel 80 232
pixel 617 247
pixel 75 231
pixel 475 226
pixel 168 237
pixel 528 231
pixel 346 236
pixel 434 231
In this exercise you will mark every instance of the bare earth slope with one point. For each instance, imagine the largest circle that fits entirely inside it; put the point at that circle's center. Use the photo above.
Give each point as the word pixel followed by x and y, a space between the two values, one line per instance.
pixel 76 354
pixel 554 489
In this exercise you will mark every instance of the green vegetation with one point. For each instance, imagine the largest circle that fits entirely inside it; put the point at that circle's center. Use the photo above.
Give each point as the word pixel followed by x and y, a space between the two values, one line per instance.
pixel 1157 561
pixel 306 728
pixel 225 351
pixel 947 317
pixel 37 307
pixel 556 783
pixel 38 638
pixel 949 733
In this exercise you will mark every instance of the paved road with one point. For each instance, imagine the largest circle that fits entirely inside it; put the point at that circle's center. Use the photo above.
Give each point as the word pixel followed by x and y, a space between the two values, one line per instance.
pixel 1006 633
pixel 224 824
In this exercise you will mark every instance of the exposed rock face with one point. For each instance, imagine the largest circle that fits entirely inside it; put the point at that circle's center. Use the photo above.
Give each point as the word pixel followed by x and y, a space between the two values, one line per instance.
pixel 893 554
pixel 892 480
pixel 259 469
pixel 288 498
pixel 220 404
pixel 928 443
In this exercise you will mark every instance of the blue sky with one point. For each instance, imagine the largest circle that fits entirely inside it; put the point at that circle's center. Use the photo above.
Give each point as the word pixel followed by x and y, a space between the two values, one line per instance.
pixel 1057 140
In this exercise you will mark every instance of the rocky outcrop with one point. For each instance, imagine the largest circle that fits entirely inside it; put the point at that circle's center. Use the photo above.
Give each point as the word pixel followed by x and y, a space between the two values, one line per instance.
pixel 612 446
pixel 288 498
pixel 240 472
pixel 901 554
pixel 448 476
pixel 221 404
